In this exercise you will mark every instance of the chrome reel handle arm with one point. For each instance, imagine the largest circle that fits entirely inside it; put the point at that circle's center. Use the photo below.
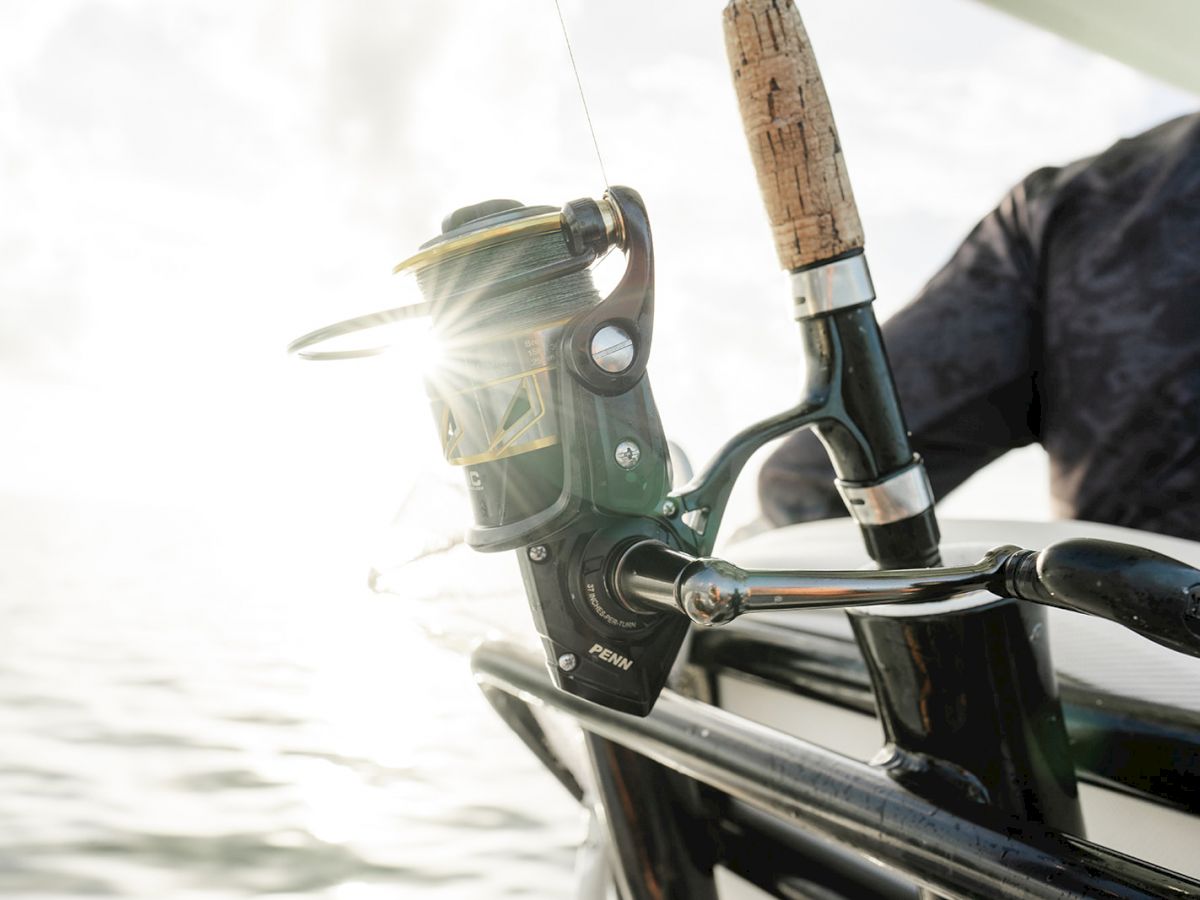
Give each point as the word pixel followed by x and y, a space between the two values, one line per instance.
pixel 650 576
pixel 1148 593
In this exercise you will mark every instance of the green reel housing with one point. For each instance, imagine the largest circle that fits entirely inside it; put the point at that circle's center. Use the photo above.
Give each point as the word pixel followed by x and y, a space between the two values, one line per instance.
pixel 543 431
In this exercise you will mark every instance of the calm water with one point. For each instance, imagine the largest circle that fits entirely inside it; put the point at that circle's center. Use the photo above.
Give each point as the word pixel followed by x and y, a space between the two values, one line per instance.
pixel 179 718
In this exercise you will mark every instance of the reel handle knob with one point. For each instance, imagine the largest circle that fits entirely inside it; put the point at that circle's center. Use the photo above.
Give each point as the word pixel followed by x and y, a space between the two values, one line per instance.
pixel 792 135
pixel 1154 595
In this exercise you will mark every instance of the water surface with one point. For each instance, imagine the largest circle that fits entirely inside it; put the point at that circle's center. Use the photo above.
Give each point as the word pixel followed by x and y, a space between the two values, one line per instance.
pixel 179 719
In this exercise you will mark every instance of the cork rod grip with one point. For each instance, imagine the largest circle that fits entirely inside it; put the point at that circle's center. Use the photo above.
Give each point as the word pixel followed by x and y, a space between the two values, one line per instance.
pixel 793 139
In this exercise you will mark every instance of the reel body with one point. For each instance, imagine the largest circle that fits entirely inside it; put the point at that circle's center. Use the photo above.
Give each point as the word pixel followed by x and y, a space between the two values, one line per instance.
pixel 543 400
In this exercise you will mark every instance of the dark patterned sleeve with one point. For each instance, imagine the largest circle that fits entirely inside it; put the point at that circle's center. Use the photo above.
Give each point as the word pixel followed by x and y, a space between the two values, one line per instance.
pixel 966 358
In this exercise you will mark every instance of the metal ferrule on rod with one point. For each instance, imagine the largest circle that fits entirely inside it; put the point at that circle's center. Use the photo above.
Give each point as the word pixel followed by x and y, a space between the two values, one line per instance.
pixel 900 496
pixel 831 286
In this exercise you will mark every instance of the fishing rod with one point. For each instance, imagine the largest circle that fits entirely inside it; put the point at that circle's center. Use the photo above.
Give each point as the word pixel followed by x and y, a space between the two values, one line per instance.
pixel 543 400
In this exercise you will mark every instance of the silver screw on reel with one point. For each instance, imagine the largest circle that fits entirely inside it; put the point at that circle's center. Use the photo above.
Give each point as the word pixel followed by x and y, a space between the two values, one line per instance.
pixel 627 454
pixel 612 349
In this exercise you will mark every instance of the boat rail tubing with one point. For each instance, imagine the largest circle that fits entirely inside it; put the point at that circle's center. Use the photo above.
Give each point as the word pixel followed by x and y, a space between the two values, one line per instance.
pixel 856 805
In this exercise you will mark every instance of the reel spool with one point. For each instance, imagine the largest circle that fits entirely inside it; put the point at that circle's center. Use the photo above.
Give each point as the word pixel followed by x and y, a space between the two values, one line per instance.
pixel 514 309
pixel 492 395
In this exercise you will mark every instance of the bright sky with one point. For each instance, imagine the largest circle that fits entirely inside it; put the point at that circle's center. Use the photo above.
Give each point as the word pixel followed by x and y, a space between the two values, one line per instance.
pixel 188 186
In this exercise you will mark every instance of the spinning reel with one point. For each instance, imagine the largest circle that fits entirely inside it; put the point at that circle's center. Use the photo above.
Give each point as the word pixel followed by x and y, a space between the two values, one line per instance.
pixel 542 399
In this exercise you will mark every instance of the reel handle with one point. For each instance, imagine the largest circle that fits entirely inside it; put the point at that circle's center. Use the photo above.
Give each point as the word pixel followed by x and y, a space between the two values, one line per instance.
pixel 792 135
pixel 1149 593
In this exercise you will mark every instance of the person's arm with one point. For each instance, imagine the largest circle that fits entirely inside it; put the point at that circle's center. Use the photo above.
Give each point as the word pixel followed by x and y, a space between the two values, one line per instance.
pixel 966 358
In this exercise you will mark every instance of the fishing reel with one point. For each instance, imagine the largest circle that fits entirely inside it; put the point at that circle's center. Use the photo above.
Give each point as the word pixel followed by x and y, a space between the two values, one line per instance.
pixel 541 397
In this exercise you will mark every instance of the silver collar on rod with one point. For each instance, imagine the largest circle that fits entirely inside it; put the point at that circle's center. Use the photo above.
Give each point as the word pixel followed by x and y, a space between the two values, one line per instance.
pixel 832 285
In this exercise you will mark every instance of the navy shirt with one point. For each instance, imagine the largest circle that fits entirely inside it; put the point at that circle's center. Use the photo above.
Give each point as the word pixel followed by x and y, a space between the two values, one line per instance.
pixel 1069 316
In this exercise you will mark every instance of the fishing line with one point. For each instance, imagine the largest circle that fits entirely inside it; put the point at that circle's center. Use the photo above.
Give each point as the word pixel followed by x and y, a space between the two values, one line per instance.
pixel 454 288
pixel 492 398
pixel 462 315
pixel 492 393
pixel 579 82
